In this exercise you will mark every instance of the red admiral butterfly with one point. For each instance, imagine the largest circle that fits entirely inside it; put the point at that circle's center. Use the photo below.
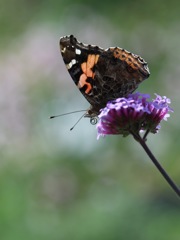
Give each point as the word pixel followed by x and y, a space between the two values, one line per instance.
pixel 102 74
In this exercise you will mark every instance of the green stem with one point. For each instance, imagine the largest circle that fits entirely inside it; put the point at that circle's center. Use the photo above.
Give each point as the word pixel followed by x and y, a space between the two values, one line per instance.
pixel 157 164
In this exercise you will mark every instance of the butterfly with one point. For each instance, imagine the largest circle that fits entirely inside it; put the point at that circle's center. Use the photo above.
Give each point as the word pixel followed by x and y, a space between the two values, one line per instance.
pixel 102 74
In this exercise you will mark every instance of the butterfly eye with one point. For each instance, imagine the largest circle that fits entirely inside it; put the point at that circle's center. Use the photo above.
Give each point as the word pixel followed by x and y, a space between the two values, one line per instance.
pixel 93 120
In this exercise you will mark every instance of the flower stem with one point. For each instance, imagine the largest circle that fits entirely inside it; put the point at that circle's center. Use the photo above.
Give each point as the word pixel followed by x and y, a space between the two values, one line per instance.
pixel 157 164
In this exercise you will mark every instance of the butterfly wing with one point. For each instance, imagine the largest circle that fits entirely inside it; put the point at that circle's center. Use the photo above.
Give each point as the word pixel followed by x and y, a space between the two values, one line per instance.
pixel 102 75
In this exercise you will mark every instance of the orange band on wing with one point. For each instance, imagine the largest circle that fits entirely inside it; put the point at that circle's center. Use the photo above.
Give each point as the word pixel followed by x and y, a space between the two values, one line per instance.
pixel 87 72
pixel 82 83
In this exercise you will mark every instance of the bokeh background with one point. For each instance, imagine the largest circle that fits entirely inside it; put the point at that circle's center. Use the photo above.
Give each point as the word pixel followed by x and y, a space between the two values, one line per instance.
pixel 60 184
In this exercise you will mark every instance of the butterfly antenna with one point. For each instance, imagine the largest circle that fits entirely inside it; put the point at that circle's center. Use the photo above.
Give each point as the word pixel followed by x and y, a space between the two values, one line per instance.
pixel 77 122
pixel 67 114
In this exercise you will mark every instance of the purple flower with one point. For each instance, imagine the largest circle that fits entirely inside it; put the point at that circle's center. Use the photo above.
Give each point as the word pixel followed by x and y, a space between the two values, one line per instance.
pixel 133 115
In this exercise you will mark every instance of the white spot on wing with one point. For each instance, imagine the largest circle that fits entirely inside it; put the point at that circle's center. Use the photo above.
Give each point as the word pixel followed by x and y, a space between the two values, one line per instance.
pixel 69 65
pixel 73 61
pixel 78 51
pixel 63 50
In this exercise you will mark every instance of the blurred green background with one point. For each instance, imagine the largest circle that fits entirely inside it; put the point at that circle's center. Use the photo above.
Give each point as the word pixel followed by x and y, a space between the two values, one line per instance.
pixel 60 184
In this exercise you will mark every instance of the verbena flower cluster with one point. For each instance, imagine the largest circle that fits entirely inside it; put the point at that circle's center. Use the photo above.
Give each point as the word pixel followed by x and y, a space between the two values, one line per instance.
pixel 134 113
